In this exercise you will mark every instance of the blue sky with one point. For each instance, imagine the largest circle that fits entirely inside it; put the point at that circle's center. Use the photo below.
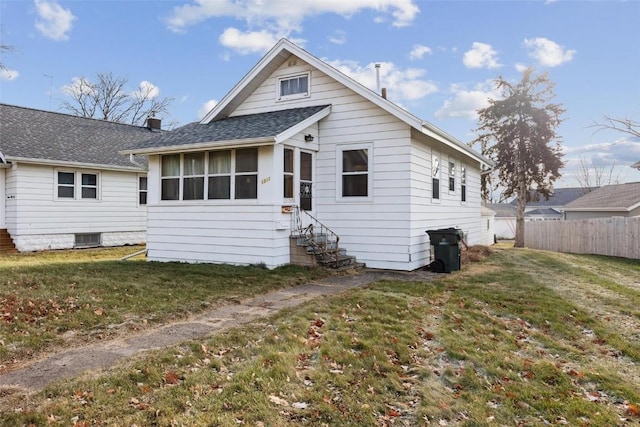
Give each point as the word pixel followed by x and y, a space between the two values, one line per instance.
pixel 438 58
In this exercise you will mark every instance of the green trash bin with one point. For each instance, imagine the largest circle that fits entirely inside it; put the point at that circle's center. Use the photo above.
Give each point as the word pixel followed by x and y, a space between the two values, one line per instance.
pixel 446 249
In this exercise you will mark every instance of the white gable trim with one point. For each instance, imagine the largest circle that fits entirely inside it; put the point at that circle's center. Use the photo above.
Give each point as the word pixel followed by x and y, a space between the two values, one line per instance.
pixel 303 125
pixel 284 48
pixel 2 159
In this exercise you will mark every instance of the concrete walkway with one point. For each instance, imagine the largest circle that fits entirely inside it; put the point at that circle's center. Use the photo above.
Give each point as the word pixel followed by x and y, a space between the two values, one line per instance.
pixel 105 354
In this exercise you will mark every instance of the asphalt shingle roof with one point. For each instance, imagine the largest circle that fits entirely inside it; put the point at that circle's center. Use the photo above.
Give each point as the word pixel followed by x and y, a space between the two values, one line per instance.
pixel 45 135
pixel 560 197
pixel 619 196
pixel 249 126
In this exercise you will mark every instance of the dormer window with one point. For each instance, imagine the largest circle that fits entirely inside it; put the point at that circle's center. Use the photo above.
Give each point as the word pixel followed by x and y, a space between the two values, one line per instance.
pixel 292 87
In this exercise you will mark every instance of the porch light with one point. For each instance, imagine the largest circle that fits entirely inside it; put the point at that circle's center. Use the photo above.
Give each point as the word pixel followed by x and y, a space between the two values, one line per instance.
pixel 308 138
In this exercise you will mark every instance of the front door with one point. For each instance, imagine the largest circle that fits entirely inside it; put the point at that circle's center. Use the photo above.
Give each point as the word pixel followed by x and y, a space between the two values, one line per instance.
pixel 305 179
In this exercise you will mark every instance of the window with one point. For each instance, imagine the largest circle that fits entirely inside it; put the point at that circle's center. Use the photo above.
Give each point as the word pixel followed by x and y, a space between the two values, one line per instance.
pixel 170 171
pixel 435 175
pixel 288 174
pixel 193 184
pixel 246 173
pixel 87 240
pixel 355 174
pixel 77 185
pixel 142 190
pixel 66 185
pixel 463 183
pixel 219 175
pixel 452 177
pixel 293 87
pixel 209 176
pixel 89 186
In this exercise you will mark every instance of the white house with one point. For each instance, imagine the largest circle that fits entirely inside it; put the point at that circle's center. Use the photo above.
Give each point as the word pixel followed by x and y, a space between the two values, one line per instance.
pixel 64 184
pixel 296 137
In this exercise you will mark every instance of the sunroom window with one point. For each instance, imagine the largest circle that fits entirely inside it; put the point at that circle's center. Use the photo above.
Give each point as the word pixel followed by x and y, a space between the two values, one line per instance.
pixel 170 186
pixel 220 174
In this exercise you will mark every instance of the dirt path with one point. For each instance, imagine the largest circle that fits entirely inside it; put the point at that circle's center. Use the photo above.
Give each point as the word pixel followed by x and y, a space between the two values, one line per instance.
pixel 36 375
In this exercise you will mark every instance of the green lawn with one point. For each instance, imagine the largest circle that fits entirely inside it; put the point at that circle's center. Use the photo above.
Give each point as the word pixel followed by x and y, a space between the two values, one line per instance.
pixel 523 338
pixel 63 298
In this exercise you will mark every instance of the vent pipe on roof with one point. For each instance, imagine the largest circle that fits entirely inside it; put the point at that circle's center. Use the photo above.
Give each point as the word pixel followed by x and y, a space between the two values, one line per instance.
pixel 378 77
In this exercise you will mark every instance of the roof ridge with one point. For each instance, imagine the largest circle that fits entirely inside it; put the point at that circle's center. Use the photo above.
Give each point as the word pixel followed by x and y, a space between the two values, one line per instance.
pixel 71 115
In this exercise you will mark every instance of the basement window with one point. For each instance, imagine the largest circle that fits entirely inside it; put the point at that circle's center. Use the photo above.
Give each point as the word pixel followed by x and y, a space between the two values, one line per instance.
pixel 87 240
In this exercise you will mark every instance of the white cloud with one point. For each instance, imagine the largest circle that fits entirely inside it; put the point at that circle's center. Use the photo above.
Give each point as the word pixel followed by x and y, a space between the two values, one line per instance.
pixel 466 102
pixel 403 84
pixel 206 107
pixel 78 86
pixel 8 74
pixel 53 21
pixel 419 51
pixel 548 53
pixel 147 90
pixel 247 42
pixel 481 55
pixel 521 67
pixel 284 16
pixel 338 37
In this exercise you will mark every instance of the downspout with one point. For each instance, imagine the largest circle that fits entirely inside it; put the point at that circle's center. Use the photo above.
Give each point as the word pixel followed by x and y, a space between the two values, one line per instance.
pixel 133 160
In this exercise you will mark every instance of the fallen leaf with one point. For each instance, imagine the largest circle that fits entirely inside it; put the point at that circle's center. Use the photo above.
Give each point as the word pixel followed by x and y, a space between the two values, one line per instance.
pixel 300 405
pixel 171 378
pixel 98 312
pixel 633 410
pixel 278 401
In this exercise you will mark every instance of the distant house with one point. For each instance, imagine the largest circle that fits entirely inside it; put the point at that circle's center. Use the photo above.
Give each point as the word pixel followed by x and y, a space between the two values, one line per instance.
pixel 607 201
pixel 504 221
pixel 63 183
pixel 295 144
pixel 552 208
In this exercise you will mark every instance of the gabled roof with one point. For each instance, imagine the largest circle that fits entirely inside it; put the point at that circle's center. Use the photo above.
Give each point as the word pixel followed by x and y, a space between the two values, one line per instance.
pixel 544 212
pixel 560 197
pixel 282 51
pixel 271 127
pixel 503 210
pixel 620 197
pixel 36 136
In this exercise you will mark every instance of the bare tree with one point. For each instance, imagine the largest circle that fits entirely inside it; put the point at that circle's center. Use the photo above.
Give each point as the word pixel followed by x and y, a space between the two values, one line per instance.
pixel 109 99
pixel 591 176
pixel 626 125
pixel 517 133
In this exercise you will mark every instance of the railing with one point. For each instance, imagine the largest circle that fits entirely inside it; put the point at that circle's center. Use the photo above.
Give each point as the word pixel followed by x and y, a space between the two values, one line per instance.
pixel 320 237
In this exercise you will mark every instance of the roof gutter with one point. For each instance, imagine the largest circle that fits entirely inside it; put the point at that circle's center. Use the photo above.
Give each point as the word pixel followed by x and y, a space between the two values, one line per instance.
pixel 250 142
pixel 73 164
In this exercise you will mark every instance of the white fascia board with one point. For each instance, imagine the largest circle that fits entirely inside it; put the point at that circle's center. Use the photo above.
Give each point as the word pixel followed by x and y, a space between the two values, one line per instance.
pixel 269 140
pixel 293 130
pixel 607 209
pixel 63 163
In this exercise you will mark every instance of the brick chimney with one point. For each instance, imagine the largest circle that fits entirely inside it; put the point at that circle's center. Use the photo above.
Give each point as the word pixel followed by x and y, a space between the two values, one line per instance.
pixel 154 124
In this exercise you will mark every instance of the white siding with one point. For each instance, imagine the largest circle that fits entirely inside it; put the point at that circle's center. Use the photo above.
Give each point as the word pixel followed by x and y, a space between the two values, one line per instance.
pixel 235 233
pixel 2 199
pixel 41 217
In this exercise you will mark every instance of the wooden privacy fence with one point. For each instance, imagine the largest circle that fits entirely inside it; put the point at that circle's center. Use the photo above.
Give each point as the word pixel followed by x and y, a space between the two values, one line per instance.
pixel 615 236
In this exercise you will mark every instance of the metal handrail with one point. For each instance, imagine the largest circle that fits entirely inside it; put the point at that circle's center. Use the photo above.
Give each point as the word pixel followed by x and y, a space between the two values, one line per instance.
pixel 321 238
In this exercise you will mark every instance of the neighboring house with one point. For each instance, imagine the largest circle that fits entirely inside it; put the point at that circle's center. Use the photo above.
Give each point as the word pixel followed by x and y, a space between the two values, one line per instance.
pixel 607 201
pixel 552 208
pixel 296 137
pixel 64 184
pixel 505 220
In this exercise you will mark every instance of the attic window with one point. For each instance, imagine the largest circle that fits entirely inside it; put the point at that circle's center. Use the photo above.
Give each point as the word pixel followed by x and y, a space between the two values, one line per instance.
pixel 292 87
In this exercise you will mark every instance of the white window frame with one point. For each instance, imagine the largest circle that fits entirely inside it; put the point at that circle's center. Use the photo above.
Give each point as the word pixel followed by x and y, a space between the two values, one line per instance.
pixel 351 147
pixel 233 174
pixel 279 80
pixel 435 157
pixel 77 185
pixel 143 191
pixel 463 183
pixel 451 173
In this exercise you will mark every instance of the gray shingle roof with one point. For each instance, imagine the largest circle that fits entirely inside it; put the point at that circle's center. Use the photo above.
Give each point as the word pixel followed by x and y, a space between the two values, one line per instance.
pixel 615 197
pixel 44 135
pixel 249 126
pixel 503 210
pixel 560 197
